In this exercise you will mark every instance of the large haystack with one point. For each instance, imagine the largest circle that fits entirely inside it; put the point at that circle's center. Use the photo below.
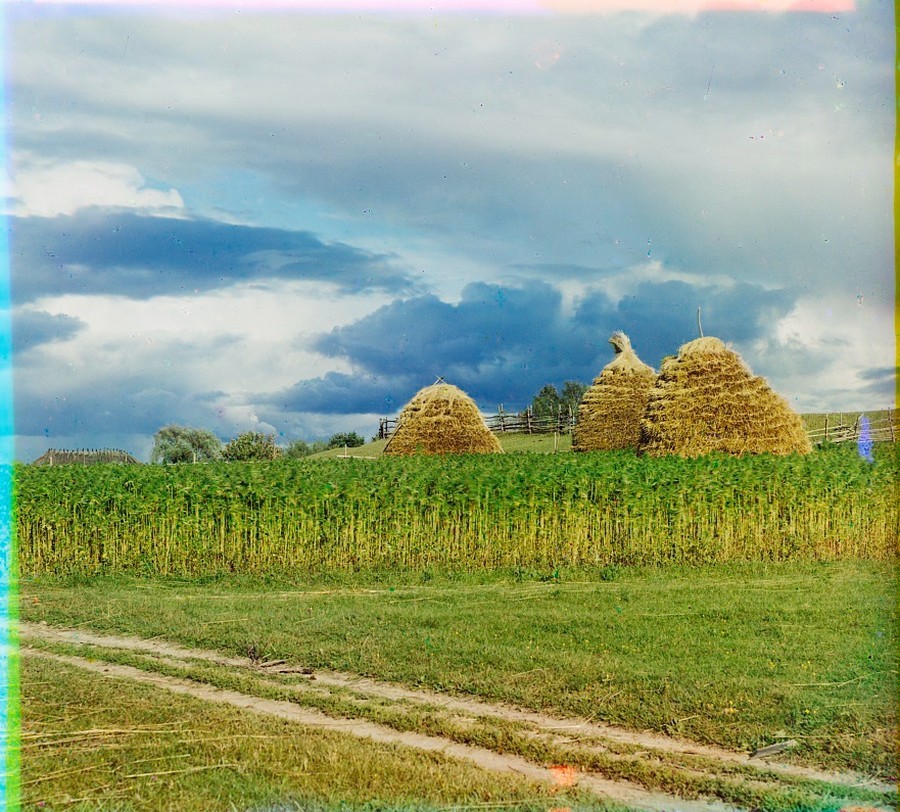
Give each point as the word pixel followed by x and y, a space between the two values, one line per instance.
pixel 441 419
pixel 611 410
pixel 707 399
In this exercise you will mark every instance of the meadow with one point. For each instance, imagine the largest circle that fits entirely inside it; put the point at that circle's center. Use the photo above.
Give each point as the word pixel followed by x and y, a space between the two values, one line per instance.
pixel 529 511
pixel 731 602
pixel 737 655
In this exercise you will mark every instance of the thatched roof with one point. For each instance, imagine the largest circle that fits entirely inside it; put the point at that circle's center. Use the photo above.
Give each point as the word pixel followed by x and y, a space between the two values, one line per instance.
pixel 707 399
pixel 610 412
pixel 86 456
pixel 441 419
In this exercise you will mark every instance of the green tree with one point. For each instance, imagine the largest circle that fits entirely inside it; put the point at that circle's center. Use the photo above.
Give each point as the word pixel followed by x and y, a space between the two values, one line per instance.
pixel 571 395
pixel 173 444
pixel 297 449
pixel 546 402
pixel 550 402
pixel 300 448
pixel 347 438
pixel 250 447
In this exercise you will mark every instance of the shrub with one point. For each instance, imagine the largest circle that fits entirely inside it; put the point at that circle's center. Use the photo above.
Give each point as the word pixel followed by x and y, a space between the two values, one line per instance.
pixel 347 438
pixel 250 447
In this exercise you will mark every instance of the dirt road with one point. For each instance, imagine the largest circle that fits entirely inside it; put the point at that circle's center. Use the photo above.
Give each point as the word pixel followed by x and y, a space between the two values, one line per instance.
pixel 586 741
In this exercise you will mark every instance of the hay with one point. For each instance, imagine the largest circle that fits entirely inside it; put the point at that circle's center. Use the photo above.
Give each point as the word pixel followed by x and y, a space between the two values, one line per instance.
pixel 611 410
pixel 706 399
pixel 441 419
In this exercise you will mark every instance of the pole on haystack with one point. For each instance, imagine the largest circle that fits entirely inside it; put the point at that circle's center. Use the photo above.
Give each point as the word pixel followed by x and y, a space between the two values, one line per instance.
pixel 699 325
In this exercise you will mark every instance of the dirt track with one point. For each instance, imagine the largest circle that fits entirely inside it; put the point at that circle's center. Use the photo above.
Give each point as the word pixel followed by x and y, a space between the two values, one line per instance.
pixel 587 736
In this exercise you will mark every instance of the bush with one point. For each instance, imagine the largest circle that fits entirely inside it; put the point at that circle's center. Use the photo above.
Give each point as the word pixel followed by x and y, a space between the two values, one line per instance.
pixel 174 444
pixel 250 447
pixel 300 448
pixel 348 438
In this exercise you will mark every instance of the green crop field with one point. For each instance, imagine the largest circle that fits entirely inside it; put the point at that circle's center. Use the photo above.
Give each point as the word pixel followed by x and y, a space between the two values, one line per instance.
pixel 517 510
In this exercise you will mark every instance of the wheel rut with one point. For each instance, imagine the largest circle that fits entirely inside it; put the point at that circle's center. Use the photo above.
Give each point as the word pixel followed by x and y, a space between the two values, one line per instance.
pixel 587 737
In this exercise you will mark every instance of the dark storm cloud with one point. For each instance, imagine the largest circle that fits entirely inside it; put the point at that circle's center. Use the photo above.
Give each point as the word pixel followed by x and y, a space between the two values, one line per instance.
pixel 881 382
pixel 31 328
pixel 101 252
pixel 501 344
pixel 663 316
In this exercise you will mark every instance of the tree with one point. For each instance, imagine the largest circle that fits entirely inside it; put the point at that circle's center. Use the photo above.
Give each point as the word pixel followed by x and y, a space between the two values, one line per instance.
pixel 300 448
pixel 251 446
pixel 173 444
pixel 347 438
pixel 546 402
pixel 297 449
pixel 571 395
pixel 549 402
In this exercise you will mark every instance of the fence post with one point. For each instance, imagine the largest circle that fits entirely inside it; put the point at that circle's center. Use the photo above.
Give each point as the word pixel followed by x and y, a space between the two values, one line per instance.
pixel 500 415
pixel 528 419
pixel 826 427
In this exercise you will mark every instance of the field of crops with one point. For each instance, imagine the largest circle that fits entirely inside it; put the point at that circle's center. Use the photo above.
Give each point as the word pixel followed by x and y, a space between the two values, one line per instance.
pixel 526 510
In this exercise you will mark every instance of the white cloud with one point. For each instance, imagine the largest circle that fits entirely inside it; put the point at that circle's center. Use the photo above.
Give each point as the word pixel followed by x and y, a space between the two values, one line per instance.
pixel 45 188
pixel 818 353
pixel 261 331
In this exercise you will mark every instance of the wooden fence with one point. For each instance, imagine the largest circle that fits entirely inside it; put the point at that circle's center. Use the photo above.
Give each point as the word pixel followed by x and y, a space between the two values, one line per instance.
pixel 882 428
pixel 837 429
pixel 514 422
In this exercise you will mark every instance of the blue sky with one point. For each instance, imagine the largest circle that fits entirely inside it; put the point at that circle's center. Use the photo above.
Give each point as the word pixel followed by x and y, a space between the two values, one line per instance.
pixel 289 221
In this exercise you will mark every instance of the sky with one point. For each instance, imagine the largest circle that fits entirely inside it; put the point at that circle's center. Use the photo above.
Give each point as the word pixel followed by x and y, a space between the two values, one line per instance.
pixel 289 218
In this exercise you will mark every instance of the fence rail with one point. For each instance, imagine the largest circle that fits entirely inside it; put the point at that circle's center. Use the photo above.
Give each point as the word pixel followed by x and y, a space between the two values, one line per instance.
pixel 880 429
pixel 837 429
pixel 501 422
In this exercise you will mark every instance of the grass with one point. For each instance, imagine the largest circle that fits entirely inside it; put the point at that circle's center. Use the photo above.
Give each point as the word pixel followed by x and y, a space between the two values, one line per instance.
pixel 684 775
pixel 815 422
pixel 735 655
pixel 512 442
pixel 101 743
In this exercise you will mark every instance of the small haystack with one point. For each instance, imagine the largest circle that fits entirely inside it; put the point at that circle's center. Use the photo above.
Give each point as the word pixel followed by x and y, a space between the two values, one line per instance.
pixel 707 399
pixel 441 419
pixel 611 410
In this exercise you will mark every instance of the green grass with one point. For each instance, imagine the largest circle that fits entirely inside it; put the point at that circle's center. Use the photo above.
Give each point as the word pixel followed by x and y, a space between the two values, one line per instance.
pixel 512 442
pixel 479 511
pixel 815 422
pixel 684 775
pixel 735 655
pixel 103 743
pixel 371 449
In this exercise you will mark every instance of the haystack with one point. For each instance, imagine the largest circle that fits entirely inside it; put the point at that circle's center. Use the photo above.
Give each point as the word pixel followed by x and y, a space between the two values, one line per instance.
pixel 441 419
pixel 707 399
pixel 611 410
